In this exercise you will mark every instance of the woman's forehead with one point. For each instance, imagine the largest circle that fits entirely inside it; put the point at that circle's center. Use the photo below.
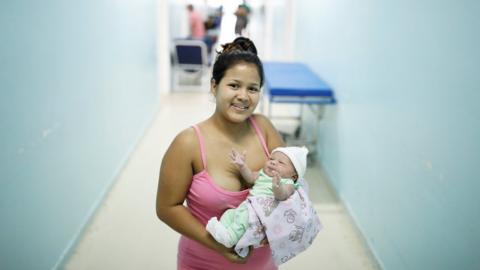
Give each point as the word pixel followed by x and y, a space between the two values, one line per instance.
pixel 243 71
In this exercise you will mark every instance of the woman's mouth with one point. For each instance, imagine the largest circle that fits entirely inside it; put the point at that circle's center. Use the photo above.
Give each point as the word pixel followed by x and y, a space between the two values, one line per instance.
pixel 240 107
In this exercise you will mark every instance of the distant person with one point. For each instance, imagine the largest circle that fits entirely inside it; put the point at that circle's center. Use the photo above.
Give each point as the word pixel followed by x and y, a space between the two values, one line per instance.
pixel 197 27
pixel 212 27
pixel 242 13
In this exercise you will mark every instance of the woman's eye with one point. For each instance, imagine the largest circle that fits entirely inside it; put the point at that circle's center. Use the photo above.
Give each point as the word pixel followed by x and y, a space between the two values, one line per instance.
pixel 234 86
pixel 253 89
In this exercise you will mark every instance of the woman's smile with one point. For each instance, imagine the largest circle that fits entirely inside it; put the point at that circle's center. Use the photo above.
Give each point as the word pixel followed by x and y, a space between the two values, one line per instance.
pixel 240 107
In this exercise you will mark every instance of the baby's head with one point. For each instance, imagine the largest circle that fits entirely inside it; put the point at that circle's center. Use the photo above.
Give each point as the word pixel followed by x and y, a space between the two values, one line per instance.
pixel 289 162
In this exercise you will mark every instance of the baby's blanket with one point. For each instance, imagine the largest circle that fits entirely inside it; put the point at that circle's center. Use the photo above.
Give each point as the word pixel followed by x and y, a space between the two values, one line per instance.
pixel 290 225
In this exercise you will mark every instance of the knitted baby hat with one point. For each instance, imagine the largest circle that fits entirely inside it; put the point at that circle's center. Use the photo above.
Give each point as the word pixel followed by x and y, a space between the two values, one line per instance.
pixel 298 156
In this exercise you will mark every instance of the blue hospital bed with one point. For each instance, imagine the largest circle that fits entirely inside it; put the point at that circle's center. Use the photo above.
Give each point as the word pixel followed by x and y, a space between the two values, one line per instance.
pixel 296 83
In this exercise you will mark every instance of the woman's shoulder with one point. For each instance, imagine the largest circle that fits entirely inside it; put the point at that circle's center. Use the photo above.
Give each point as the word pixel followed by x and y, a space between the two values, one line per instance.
pixel 182 148
pixel 264 123
pixel 271 134
pixel 185 139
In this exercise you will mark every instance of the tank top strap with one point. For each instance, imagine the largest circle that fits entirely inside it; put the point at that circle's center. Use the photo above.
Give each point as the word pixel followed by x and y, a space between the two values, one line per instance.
pixel 260 135
pixel 202 146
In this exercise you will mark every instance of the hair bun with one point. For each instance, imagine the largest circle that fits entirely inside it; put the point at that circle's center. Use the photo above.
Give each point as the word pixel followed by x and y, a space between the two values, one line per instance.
pixel 240 44
pixel 241 50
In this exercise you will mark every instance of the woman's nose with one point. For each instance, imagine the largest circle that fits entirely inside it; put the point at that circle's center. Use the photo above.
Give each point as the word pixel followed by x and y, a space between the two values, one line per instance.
pixel 242 94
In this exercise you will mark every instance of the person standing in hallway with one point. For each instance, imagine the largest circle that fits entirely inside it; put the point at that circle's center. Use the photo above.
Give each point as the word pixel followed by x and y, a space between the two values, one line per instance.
pixel 194 168
pixel 197 27
pixel 241 23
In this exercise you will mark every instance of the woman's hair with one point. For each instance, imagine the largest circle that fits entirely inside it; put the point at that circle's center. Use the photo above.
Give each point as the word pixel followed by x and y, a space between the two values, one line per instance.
pixel 240 50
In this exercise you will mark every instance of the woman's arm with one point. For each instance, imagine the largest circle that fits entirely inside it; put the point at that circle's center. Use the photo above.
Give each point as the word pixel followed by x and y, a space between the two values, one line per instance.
pixel 175 178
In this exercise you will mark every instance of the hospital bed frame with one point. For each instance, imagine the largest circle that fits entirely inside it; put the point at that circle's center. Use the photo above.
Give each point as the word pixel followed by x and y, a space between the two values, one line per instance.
pixel 295 83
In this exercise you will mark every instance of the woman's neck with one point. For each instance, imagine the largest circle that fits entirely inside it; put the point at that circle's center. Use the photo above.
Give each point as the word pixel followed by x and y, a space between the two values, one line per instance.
pixel 230 129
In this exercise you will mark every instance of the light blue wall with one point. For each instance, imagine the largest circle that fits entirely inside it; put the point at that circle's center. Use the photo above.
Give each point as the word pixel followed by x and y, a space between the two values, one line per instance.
pixel 402 147
pixel 77 90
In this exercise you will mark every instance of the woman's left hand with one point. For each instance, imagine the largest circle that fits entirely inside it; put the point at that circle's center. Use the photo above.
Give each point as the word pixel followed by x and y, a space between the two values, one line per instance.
pixel 232 256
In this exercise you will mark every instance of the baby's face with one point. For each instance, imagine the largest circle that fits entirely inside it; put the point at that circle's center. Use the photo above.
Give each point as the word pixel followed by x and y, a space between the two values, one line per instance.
pixel 280 163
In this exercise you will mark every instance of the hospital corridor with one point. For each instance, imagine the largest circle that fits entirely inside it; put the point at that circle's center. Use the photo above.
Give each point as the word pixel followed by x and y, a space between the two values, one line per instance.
pixel 382 94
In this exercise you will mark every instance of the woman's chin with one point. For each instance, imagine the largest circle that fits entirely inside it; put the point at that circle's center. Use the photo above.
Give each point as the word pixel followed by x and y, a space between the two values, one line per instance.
pixel 239 117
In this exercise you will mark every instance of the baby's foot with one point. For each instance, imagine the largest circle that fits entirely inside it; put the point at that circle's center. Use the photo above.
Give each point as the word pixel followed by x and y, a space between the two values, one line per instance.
pixel 219 232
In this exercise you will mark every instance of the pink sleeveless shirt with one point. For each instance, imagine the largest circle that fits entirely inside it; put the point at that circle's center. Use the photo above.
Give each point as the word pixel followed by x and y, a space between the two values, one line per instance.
pixel 205 199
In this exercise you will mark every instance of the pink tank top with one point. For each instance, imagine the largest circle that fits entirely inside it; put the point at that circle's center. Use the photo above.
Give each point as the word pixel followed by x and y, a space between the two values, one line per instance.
pixel 205 199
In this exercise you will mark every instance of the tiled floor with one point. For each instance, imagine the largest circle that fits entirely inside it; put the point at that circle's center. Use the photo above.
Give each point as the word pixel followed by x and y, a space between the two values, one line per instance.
pixel 126 234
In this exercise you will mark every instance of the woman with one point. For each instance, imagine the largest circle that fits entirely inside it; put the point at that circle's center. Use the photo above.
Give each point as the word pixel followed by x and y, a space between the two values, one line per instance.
pixel 195 169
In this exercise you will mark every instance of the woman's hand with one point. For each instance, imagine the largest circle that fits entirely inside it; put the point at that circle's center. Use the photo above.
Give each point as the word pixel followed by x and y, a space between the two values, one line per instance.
pixel 232 256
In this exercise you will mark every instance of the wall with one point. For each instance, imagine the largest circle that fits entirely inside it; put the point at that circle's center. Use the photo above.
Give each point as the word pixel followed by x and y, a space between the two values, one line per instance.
pixel 402 146
pixel 78 88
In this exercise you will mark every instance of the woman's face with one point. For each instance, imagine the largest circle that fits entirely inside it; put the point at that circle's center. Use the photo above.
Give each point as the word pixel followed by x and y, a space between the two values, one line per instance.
pixel 238 92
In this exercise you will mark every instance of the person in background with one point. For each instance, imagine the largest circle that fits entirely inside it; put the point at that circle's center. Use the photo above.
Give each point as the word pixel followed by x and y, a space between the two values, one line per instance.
pixel 194 168
pixel 197 28
pixel 212 28
pixel 241 23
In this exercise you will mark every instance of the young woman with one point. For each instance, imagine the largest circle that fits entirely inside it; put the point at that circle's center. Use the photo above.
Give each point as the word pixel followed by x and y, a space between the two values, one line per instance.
pixel 194 168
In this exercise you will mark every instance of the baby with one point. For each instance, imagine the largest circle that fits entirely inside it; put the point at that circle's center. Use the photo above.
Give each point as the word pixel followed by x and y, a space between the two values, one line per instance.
pixel 278 179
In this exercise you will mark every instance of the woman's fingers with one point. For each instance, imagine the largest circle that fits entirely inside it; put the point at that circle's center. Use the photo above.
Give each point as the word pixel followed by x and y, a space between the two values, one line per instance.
pixel 234 257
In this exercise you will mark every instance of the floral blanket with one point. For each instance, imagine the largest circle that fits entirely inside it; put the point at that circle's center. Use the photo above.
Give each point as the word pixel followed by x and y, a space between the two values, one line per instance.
pixel 290 226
